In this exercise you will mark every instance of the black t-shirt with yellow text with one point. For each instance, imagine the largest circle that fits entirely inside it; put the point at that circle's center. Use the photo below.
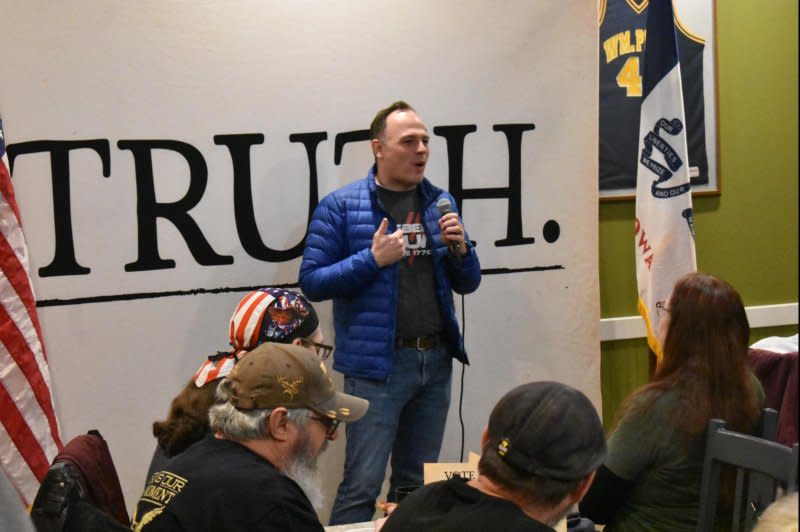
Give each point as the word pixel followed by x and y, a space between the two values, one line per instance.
pixel 222 485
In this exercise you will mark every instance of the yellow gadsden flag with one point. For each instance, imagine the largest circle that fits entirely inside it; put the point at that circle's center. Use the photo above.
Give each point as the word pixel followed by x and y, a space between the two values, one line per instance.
pixel 664 224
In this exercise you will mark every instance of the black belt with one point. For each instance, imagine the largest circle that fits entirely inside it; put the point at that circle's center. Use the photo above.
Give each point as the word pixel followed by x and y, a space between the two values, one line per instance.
pixel 420 343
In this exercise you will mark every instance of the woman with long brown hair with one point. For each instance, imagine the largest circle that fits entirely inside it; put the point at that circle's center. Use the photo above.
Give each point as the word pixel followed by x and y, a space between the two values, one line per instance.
pixel 651 478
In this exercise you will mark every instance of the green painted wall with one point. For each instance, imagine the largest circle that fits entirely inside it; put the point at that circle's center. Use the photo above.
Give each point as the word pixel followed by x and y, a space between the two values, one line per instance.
pixel 747 235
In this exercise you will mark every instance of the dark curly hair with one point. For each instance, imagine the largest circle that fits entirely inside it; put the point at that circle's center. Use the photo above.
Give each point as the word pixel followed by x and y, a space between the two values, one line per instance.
pixel 187 420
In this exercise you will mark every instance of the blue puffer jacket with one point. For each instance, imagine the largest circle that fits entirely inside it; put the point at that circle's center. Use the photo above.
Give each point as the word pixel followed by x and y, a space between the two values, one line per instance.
pixel 338 264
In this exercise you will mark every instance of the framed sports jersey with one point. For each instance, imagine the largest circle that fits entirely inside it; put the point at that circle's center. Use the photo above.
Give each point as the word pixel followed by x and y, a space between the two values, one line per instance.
pixel 622 38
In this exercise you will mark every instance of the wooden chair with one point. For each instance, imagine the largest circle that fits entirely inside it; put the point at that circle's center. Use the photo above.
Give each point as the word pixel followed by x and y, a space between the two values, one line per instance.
pixel 761 466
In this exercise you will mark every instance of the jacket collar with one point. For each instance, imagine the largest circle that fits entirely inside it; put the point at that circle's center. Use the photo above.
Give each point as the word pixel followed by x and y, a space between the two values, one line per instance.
pixel 427 191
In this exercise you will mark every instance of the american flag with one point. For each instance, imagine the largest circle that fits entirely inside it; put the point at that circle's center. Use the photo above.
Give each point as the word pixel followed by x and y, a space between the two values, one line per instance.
pixel 29 435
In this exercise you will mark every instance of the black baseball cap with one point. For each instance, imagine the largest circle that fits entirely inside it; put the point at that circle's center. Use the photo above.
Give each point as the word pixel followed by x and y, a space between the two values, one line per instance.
pixel 549 430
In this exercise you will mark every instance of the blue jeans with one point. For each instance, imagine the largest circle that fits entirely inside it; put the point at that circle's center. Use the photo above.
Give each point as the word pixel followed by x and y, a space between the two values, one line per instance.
pixel 406 417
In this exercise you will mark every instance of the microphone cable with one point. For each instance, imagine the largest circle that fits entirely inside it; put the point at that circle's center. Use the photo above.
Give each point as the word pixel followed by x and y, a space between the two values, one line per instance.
pixel 463 369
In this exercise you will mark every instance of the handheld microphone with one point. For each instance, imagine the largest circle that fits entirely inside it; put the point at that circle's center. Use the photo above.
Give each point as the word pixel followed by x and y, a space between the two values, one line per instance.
pixel 445 207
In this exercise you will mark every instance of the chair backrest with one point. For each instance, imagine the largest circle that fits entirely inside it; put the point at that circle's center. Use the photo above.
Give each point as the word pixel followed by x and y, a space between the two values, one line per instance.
pixel 767 427
pixel 755 460
pixel 761 488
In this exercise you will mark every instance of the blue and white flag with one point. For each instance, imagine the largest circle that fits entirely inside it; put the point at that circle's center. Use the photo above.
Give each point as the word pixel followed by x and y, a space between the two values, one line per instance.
pixel 664 224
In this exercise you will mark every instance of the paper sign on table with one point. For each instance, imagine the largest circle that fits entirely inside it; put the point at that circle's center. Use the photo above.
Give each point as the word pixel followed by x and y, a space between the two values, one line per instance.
pixel 434 472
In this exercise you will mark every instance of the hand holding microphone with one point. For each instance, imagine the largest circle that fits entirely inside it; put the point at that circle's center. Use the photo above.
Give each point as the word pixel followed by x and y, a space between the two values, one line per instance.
pixel 451 228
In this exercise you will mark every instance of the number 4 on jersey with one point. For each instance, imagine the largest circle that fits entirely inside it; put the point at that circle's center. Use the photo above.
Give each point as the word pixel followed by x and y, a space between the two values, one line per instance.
pixel 629 77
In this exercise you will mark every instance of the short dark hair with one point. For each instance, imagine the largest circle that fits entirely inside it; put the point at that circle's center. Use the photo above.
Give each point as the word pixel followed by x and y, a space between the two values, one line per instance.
pixel 538 490
pixel 378 125
pixel 543 439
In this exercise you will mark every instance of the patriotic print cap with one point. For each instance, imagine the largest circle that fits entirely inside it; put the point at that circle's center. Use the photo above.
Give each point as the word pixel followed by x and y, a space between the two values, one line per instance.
pixel 264 315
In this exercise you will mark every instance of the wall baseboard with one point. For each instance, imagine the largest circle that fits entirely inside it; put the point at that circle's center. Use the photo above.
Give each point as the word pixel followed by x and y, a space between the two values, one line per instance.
pixel 626 327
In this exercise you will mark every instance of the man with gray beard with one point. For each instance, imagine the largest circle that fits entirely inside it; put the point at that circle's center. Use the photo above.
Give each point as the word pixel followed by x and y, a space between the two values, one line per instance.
pixel 273 416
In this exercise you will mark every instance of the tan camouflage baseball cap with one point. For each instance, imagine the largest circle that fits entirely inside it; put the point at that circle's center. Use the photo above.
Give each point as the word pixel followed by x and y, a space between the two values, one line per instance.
pixel 290 376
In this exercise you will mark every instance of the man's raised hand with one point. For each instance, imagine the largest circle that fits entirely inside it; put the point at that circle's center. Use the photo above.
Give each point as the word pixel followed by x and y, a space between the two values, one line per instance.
pixel 387 248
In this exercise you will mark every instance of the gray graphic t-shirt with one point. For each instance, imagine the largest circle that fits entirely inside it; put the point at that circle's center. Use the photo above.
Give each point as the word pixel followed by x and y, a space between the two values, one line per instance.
pixel 418 311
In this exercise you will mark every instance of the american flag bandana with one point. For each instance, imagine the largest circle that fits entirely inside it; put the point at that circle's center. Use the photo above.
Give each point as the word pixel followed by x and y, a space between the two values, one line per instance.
pixel 267 314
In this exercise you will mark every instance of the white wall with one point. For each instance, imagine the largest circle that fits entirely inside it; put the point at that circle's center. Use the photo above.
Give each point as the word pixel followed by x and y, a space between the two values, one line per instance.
pixel 188 71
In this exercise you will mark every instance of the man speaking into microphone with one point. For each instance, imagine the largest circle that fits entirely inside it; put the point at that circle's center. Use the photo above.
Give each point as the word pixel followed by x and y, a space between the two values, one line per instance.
pixel 390 250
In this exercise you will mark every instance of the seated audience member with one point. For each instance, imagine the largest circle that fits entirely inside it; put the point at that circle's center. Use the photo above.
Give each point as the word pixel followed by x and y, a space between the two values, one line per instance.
pixel 273 416
pixel 264 315
pixel 541 448
pixel 780 516
pixel 651 478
